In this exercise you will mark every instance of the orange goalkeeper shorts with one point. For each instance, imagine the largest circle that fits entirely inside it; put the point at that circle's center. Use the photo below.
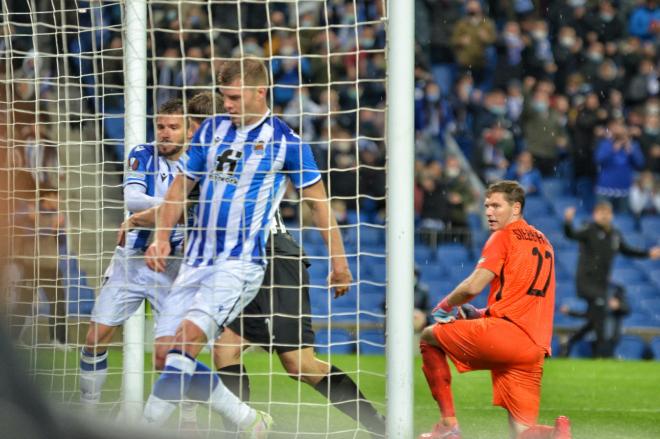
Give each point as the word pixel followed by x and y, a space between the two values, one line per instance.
pixel 515 362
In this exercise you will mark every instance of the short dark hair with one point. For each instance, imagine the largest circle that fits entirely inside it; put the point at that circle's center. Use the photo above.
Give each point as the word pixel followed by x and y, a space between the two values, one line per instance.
pixel 203 105
pixel 603 204
pixel 512 191
pixel 251 70
pixel 173 106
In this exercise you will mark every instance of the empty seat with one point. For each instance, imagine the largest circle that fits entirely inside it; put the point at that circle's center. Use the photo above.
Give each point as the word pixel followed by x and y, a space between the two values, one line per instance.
pixel 452 253
pixel 627 276
pixel 630 347
pixel 625 223
pixel 582 349
pixel 651 226
pixel 655 348
pixel 334 341
pixel 371 342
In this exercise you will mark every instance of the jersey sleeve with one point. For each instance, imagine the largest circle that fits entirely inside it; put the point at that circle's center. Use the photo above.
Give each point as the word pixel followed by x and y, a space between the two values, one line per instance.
pixel 136 173
pixel 193 164
pixel 299 162
pixel 494 253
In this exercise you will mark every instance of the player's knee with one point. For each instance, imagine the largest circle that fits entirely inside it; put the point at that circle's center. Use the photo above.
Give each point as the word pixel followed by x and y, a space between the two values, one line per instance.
pixel 307 371
pixel 428 336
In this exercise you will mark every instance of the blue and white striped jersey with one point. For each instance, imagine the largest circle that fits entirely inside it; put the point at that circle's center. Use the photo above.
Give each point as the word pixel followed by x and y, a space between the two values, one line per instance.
pixel 242 174
pixel 154 175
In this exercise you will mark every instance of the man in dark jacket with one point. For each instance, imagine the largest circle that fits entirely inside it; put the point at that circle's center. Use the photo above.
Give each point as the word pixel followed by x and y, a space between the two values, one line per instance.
pixel 599 243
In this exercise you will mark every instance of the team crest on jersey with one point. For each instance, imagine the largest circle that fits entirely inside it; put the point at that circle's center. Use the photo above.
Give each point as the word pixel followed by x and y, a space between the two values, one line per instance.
pixel 133 163
pixel 259 148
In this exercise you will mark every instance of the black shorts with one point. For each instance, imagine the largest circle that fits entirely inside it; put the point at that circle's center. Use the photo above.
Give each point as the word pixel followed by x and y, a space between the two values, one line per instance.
pixel 279 316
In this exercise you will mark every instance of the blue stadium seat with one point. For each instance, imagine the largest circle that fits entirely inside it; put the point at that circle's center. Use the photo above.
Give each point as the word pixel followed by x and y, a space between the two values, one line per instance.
pixel 565 290
pixel 452 254
pixel 559 204
pixel 642 291
pixel 430 273
pixel 424 255
pixel 639 318
pixel 655 348
pixel 439 289
pixel 568 259
pixel 630 347
pixel 553 188
pixel 536 207
pixel 651 226
pixel 371 342
pixel 582 349
pixel 654 276
pixel 625 223
pixel 636 239
pixel 312 237
pixel 371 235
pixel 334 341
pixel 316 250
pixel 623 262
pixel 627 276
pixel 574 303
pixel 548 224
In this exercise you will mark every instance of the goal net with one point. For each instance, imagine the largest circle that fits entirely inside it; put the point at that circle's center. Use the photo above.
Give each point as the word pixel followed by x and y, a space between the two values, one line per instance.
pixel 63 96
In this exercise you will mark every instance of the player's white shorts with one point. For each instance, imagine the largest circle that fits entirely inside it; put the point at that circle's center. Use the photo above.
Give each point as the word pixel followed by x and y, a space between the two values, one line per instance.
pixel 211 297
pixel 128 281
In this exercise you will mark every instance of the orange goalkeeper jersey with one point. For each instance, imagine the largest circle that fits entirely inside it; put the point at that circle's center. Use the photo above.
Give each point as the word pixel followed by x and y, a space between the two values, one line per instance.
pixel 523 290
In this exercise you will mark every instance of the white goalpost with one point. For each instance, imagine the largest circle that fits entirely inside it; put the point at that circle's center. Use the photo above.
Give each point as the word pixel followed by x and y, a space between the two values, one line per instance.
pixel 85 78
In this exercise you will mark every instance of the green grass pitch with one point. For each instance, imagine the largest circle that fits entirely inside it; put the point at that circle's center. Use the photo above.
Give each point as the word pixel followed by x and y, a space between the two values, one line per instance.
pixel 604 399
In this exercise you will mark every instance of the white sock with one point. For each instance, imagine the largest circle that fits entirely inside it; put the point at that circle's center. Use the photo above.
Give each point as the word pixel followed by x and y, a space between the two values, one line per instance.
pixel 189 412
pixel 157 411
pixel 93 372
pixel 231 407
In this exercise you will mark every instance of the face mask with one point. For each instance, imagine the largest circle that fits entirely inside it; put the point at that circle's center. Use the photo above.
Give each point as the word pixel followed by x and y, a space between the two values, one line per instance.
pixel 433 97
pixel 576 3
pixel 498 110
pixel 595 56
pixel 453 172
pixel 467 89
pixel 539 34
pixel 367 43
pixel 651 131
pixel 567 41
pixel 606 17
pixel 540 106
pixel 170 62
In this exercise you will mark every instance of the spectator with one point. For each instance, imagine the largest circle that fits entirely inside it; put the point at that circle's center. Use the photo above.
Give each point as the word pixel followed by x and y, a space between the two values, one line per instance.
pixel 460 198
pixel 526 174
pixel 590 118
pixel 471 37
pixel 538 56
pixel 567 55
pixel 599 243
pixel 616 308
pixel 607 23
pixel 490 161
pixel 434 205
pixel 645 21
pixel 645 196
pixel 422 304
pixel 543 131
pixel 617 157
pixel 510 48
pixel 644 84
pixel 649 141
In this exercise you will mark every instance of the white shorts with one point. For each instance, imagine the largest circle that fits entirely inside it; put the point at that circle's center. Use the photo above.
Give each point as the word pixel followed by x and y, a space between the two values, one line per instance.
pixel 211 297
pixel 128 281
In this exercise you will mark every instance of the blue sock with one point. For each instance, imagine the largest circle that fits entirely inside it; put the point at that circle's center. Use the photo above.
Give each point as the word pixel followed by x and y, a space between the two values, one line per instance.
pixel 203 382
pixel 174 383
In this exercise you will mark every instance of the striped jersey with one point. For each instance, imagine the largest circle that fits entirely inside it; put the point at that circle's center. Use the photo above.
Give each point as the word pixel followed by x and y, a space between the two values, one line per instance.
pixel 242 173
pixel 154 175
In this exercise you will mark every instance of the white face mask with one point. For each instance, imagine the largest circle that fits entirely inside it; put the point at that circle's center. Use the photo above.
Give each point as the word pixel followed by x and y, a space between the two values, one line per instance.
pixel 453 172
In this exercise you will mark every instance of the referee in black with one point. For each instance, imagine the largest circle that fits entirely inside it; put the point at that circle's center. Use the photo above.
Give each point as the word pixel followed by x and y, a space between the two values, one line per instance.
pixel 599 242
pixel 279 318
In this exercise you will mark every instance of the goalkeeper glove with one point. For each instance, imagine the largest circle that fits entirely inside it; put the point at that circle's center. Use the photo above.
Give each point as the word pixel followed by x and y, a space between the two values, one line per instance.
pixel 469 312
pixel 444 313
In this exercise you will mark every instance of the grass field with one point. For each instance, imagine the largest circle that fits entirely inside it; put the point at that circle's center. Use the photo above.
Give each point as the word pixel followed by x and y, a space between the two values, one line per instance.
pixel 604 399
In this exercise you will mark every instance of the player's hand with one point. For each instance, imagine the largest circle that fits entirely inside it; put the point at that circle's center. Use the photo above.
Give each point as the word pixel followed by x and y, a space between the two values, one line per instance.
pixel 442 315
pixel 125 227
pixel 569 214
pixel 469 312
pixel 156 255
pixel 340 279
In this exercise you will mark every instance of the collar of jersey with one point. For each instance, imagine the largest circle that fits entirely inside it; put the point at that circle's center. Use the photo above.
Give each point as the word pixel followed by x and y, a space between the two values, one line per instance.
pixel 248 128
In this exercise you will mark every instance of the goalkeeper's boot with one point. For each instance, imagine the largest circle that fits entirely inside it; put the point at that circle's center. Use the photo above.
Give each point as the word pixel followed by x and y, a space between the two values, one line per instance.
pixel 261 426
pixel 562 428
pixel 441 431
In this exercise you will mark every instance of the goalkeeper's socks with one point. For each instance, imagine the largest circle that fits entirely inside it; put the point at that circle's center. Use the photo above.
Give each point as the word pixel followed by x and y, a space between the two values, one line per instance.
pixel 344 394
pixel 172 385
pixel 93 372
pixel 236 379
pixel 206 385
pixel 438 375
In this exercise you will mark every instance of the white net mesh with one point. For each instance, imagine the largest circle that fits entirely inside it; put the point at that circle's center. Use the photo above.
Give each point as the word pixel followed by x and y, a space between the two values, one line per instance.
pixel 62 93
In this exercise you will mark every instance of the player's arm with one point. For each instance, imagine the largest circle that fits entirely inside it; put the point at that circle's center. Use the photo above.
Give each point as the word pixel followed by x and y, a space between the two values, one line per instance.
pixel 135 182
pixel 168 215
pixel 447 310
pixel 137 200
pixel 570 232
pixel 323 217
